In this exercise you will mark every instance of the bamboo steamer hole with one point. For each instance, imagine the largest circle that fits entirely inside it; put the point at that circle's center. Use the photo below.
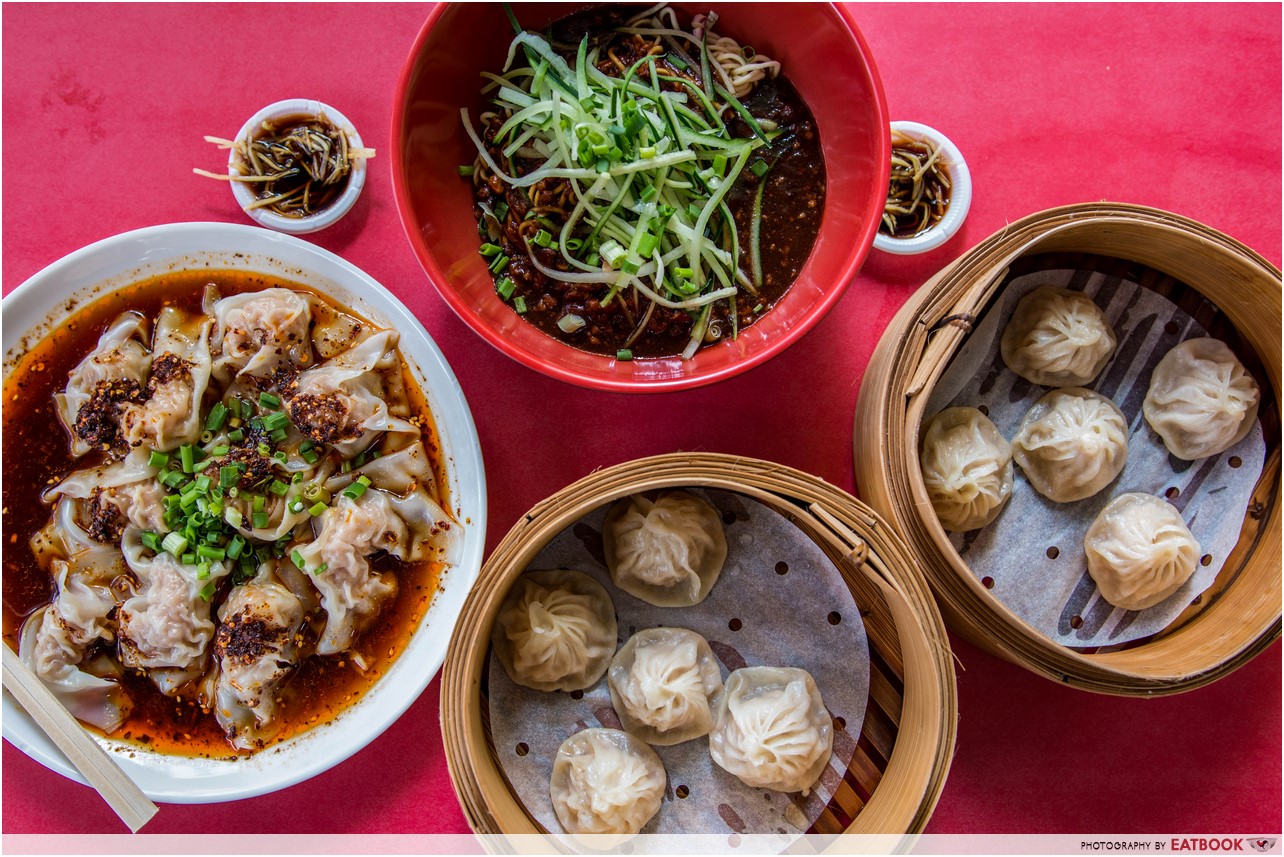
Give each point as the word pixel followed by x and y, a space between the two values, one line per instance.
pixel 888 787
pixel 1218 325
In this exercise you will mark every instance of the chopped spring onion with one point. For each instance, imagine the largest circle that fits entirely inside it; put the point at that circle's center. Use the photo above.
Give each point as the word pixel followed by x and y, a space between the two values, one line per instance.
pixel 297 558
pixel 624 354
pixel 267 400
pixel 218 415
pixel 466 170
pixel 152 541
pixel 570 323
pixel 317 508
pixel 275 420
pixel 315 492
pixel 357 488
pixel 519 304
pixel 174 543
pixel 158 459
pixel 260 520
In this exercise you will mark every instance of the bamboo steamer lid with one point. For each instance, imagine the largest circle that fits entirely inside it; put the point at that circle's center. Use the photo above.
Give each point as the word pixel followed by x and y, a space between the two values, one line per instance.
pixel 1239 616
pixel 907 739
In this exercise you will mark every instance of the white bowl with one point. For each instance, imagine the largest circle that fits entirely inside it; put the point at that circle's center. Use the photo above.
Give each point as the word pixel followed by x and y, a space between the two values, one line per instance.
pixel 960 195
pixel 332 213
pixel 43 301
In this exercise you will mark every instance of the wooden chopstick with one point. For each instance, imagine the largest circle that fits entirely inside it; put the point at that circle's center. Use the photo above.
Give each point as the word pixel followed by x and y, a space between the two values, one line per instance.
pixel 102 772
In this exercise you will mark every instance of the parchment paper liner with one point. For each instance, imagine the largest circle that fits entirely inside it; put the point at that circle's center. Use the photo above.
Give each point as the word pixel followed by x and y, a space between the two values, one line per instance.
pixel 788 606
pixel 1033 553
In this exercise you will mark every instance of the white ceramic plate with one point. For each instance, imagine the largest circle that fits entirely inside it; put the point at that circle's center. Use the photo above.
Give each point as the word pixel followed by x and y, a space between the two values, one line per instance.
pixel 50 296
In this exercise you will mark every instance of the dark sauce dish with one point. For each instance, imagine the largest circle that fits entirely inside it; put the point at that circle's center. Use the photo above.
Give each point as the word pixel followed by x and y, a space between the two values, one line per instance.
pixel 307 197
pixel 943 176
pixel 823 180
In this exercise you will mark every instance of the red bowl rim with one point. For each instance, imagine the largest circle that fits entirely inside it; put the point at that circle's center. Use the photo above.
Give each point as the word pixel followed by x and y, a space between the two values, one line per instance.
pixel 438 277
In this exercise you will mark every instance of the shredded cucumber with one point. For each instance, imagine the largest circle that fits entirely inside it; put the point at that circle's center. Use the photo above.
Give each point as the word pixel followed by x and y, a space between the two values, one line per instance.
pixel 649 158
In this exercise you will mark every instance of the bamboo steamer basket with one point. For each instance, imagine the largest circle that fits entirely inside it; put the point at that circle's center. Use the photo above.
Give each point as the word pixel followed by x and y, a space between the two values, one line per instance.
pixel 1239 616
pixel 907 737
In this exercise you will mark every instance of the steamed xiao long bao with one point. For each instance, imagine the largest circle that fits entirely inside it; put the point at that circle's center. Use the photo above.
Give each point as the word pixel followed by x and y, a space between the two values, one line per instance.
pixel 244 516
pixel 664 683
pixel 1201 400
pixel 606 782
pixel 772 729
pixel 1057 338
pixel 1071 444
pixel 667 550
pixel 967 468
pixel 556 630
pixel 1139 551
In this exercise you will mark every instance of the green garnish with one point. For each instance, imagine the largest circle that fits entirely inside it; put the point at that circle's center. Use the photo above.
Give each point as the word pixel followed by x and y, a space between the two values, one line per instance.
pixel 174 543
pixel 357 488
pixel 649 171
pixel 218 415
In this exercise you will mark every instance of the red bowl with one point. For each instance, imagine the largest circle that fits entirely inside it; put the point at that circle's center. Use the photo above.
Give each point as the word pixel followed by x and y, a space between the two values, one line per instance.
pixel 824 56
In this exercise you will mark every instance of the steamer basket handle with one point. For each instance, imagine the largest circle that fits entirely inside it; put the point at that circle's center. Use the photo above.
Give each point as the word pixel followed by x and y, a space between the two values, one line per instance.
pixel 856 550
pixel 945 334
pixel 916 655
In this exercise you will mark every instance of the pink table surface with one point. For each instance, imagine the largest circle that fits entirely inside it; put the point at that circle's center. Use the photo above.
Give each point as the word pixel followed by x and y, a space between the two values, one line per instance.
pixel 1171 106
